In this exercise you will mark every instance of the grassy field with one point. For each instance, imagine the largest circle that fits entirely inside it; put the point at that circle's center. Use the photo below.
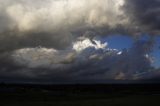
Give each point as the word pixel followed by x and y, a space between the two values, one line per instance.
pixel 146 100
pixel 79 96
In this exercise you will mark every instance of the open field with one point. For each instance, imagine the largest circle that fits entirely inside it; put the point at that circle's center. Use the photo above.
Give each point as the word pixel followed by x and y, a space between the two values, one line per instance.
pixel 79 95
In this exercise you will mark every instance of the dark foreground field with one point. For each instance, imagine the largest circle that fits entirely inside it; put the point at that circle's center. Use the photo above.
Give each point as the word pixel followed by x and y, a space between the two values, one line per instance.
pixel 79 95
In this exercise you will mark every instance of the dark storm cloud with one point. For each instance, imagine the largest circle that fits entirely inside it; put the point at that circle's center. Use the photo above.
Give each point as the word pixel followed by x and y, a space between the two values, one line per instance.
pixel 86 64
pixel 11 41
pixel 144 14
pixel 57 23
pixel 36 39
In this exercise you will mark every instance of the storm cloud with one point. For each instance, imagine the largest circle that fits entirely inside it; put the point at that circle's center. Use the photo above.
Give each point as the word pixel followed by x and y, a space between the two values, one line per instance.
pixel 57 39
pixel 57 23
pixel 144 15
pixel 84 61
pixel 34 23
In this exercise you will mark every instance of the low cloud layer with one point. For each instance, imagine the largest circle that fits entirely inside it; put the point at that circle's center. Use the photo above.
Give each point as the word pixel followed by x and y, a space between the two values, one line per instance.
pixel 93 61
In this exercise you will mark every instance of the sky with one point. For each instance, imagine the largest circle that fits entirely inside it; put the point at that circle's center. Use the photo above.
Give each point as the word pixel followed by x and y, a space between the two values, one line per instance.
pixel 120 42
pixel 70 41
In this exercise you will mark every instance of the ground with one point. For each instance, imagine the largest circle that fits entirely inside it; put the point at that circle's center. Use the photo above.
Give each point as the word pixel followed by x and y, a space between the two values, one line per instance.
pixel 80 95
